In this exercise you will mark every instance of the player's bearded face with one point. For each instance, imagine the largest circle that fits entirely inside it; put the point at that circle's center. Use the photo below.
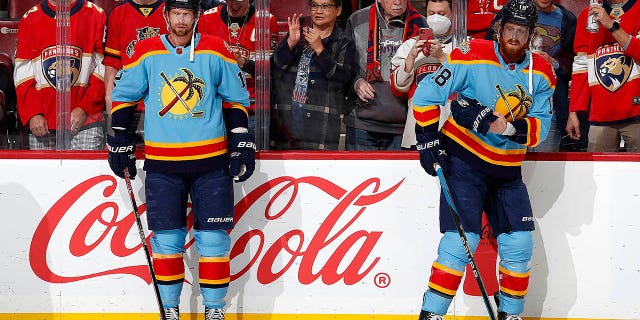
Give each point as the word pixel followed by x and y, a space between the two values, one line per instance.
pixel 181 21
pixel 513 41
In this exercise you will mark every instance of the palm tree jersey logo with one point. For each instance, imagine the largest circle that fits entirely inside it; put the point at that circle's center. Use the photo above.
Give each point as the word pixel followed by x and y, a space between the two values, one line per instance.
pixel 182 95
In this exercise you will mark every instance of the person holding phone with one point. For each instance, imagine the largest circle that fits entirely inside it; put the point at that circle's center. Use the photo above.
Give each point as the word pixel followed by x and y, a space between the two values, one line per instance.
pixel 420 56
pixel 312 69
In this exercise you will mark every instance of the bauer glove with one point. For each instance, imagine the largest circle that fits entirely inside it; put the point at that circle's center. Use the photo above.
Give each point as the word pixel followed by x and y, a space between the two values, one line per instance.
pixel 472 115
pixel 432 152
pixel 122 154
pixel 242 162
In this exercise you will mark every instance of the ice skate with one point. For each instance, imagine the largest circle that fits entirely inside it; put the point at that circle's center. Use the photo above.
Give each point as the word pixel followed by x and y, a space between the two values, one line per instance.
pixel 172 313
pixel 506 316
pixel 213 313
pixel 426 315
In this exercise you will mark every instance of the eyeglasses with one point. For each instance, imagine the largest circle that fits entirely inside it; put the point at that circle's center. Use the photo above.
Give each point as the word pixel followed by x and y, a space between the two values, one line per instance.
pixel 324 7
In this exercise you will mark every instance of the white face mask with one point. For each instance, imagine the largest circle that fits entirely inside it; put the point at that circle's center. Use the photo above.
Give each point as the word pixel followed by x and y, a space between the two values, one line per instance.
pixel 439 24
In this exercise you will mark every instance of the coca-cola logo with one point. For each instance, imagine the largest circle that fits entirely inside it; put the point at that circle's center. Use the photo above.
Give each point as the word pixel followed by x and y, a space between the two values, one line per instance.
pixel 106 216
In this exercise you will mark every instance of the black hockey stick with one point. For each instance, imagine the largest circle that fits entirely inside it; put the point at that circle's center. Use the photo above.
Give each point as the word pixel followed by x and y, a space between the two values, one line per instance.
pixel 143 239
pixel 463 237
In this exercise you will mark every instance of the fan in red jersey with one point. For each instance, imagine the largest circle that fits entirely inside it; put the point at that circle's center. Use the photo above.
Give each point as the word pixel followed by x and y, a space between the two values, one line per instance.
pixel 129 23
pixel 235 22
pixel 36 79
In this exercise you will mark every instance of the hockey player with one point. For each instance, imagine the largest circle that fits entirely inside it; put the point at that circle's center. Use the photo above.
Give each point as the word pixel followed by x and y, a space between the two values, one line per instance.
pixel 410 65
pixel 129 22
pixel 35 75
pixel 505 107
pixel 235 22
pixel 605 70
pixel 195 140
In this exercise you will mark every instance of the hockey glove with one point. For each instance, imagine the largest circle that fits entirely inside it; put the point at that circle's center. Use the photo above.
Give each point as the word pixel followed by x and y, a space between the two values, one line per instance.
pixel 243 160
pixel 472 115
pixel 431 152
pixel 122 154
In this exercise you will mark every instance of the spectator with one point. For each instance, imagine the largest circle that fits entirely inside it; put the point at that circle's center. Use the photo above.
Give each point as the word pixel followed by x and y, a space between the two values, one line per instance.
pixel 480 13
pixel 605 84
pixel 128 23
pixel 235 22
pixel 35 75
pixel 378 117
pixel 506 95
pixel 312 70
pixel 553 40
pixel 195 140
pixel 410 65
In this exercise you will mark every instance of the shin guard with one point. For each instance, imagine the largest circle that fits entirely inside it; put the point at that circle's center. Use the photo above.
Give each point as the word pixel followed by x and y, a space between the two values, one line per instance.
pixel 214 246
pixel 447 272
pixel 168 246
pixel 515 250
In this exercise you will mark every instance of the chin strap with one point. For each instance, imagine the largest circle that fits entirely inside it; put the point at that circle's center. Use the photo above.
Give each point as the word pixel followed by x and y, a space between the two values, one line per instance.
pixel 193 42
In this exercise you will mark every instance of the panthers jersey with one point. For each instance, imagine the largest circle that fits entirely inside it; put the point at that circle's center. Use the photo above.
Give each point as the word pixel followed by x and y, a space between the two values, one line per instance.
pixel 127 24
pixel 35 70
pixel 239 33
pixel 190 106
pixel 477 71
pixel 606 80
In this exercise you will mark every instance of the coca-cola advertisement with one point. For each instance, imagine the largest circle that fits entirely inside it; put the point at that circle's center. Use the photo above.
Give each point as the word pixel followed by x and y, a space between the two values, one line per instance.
pixel 350 239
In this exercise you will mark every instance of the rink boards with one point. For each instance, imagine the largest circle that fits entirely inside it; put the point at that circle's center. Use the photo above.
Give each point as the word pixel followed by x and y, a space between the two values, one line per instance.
pixel 316 238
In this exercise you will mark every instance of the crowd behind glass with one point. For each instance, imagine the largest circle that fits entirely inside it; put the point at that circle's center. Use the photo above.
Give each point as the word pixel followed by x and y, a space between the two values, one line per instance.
pixel 332 83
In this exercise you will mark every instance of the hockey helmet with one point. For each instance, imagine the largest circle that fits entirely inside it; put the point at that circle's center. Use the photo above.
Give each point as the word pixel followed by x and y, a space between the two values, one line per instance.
pixel 522 12
pixel 183 4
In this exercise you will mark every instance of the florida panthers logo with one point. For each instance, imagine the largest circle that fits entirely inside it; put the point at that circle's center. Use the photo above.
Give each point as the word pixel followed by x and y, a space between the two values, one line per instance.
pixel 613 68
pixel 141 34
pixel 513 105
pixel 50 64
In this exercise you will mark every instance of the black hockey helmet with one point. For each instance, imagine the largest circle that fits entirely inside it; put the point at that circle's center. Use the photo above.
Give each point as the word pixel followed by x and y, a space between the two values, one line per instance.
pixel 522 12
pixel 183 4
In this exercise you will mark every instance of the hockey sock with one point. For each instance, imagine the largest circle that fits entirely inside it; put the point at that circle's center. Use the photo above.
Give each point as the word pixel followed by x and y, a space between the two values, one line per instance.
pixel 515 250
pixel 213 246
pixel 447 272
pixel 168 264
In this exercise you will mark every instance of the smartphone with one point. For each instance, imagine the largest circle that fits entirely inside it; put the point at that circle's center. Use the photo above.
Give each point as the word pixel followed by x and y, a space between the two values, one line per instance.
pixel 426 34
pixel 305 23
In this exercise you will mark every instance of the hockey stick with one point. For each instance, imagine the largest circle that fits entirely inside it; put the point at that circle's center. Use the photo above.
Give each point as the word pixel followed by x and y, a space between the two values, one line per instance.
pixel 463 237
pixel 143 239
pixel 195 114
pixel 505 101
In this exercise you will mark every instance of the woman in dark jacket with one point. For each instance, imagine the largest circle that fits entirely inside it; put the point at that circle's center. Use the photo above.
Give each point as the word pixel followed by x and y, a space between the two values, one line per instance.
pixel 311 69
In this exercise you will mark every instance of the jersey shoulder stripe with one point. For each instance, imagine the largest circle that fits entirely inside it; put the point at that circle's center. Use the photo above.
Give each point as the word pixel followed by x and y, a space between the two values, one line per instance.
pixel 475 52
pixel 146 48
pixel 543 68
pixel 215 45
